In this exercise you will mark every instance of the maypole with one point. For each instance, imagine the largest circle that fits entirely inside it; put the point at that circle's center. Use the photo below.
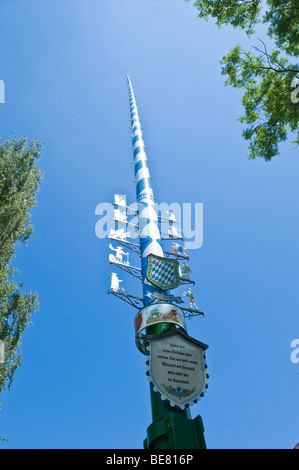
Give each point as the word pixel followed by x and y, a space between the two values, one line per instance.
pixel 176 363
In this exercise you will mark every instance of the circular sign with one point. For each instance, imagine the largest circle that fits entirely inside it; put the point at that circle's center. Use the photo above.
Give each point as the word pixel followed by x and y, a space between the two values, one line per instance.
pixel 158 313
pixel 153 314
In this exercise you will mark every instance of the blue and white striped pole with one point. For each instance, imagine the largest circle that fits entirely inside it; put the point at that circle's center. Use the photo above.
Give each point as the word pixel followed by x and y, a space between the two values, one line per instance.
pixel 149 233
pixel 150 243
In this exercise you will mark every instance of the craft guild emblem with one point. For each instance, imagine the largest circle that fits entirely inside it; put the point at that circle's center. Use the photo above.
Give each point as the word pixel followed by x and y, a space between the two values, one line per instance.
pixel 162 273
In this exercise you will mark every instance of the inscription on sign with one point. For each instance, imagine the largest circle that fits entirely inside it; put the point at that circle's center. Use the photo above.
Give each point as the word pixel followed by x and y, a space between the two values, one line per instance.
pixel 177 369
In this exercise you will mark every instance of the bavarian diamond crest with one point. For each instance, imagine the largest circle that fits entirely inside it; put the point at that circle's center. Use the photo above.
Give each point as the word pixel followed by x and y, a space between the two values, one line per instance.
pixel 162 272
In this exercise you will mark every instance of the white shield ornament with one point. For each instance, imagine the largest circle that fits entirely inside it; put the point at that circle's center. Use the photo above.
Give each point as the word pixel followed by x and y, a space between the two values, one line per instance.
pixel 176 368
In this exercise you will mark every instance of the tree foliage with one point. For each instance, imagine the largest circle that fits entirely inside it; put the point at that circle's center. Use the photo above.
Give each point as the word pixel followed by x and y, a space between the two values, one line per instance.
pixel 19 182
pixel 271 106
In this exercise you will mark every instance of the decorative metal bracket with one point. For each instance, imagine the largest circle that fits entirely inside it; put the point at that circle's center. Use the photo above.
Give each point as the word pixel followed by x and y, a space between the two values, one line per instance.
pixel 129 210
pixel 192 312
pixel 132 300
pixel 184 280
pixel 163 220
pixel 133 227
pixel 129 269
pixel 169 254
pixel 170 237
pixel 133 246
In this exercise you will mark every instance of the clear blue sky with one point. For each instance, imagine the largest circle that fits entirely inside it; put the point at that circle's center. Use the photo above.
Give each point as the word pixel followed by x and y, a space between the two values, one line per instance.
pixel 82 382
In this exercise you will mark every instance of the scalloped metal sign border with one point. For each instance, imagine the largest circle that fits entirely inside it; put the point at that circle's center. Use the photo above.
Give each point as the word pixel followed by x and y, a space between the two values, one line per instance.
pixel 176 396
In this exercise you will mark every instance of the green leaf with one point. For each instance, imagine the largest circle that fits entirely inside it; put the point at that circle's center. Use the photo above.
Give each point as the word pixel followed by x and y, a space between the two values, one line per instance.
pixel 20 178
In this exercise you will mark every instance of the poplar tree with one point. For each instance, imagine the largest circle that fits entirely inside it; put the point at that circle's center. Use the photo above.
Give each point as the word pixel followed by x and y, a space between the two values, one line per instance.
pixel 20 178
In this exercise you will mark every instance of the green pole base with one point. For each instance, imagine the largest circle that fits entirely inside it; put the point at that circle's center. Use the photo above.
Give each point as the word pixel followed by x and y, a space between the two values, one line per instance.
pixel 172 429
pixel 175 432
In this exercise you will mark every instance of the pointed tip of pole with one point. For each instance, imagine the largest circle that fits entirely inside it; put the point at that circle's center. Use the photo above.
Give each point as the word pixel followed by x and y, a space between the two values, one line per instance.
pixel 129 80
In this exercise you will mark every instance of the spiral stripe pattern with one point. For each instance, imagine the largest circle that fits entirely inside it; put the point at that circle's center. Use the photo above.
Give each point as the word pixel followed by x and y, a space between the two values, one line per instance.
pixel 149 233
